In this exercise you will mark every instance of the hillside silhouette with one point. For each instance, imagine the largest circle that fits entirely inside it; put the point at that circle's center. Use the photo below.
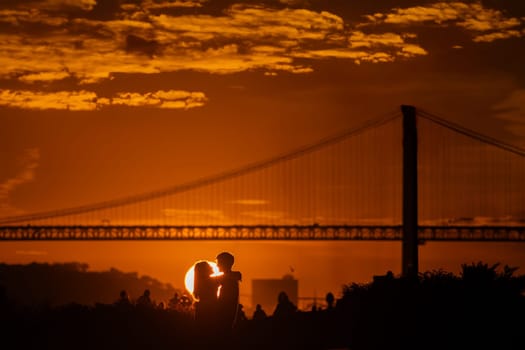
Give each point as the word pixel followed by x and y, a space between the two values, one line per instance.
pixel 65 283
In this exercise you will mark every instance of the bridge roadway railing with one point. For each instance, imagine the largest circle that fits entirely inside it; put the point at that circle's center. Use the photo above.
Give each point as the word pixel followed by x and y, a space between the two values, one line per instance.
pixel 260 232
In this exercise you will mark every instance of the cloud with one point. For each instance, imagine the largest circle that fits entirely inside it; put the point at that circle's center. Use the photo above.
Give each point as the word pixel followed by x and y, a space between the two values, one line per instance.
pixel 375 48
pixel 250 201
pixel 438 13
pixel 356 55
pixel 265 214
pixel 359 39
pixel 86 5
pixel 87 100
pixel 481 19
pixel 40 6
pixel 143 39
pixel 473 17
pixel 388 45
pixel 176 99
pixel 27 16
pixel 31 252
pixel 497 36
pixel 410 50
pixel 148 5
pixel 203 214
pixel 44 76
pixel 137 44
pixel 29 162
pixel 254 22
pixel 70 100
pixel 294 2
pixel 54 5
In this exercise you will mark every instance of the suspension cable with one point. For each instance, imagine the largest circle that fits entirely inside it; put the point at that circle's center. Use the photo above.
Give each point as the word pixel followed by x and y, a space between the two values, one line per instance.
pixel 325 142
pixel 472 134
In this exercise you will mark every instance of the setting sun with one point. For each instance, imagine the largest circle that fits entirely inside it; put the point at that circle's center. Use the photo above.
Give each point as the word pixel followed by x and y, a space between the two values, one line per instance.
pixel 188 278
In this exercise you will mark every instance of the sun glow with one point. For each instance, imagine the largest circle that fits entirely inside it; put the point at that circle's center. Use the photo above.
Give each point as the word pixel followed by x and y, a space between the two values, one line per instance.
pixel 188 278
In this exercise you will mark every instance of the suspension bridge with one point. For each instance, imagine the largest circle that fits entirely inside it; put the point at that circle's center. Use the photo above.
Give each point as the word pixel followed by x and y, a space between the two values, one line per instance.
pixel 409 175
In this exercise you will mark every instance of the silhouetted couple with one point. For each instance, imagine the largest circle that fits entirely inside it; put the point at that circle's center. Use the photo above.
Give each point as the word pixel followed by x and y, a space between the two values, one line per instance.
pixel 217 297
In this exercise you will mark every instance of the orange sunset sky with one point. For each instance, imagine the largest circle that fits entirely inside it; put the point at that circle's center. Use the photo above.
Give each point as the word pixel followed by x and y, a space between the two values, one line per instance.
pixel 105 99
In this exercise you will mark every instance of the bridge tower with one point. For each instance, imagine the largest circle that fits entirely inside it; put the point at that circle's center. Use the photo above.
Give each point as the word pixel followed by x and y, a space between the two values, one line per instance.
pixel 410 186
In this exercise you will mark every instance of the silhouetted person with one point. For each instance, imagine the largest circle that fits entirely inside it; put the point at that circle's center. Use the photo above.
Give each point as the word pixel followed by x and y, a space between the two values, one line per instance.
pixel 228 300
pixel 144 300
pixel 330 299
pixel 123 300
pixel 241 315
pixel 185 302
pixel 205 289
pixel 285 307
pixel 259 314
pixel 329 327
pixel 173 303
pixel 3 298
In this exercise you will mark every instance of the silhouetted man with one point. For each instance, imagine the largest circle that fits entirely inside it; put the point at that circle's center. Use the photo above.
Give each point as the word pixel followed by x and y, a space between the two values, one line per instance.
pixel 285 308
pixel 123 300
pixel 144 300
pixel 259 314
pixel 330 300
pixel 228 300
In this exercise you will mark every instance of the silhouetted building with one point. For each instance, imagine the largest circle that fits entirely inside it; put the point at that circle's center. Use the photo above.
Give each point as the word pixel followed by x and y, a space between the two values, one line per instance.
pixel 266 291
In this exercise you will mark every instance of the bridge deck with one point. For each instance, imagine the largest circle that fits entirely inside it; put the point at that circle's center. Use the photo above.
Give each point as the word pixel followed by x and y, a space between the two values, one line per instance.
pixel 270 232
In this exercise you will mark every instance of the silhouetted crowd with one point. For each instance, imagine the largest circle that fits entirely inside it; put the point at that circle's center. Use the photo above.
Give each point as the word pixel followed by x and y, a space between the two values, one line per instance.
pixel 480 309
pixel 180 303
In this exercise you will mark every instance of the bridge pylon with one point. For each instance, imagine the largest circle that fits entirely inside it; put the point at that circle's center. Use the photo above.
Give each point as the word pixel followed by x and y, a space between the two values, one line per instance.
pixel 410 266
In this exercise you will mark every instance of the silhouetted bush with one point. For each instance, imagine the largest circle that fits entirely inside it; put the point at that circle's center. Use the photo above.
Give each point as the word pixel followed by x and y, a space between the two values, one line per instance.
pixel 479 308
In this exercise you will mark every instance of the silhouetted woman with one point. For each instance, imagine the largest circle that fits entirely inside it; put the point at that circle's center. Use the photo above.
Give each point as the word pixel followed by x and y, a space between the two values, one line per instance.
pixel 205 292
pixel 285 308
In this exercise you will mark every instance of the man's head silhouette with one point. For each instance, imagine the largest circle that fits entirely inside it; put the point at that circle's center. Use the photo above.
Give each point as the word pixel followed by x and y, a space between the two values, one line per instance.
pixel 225 261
